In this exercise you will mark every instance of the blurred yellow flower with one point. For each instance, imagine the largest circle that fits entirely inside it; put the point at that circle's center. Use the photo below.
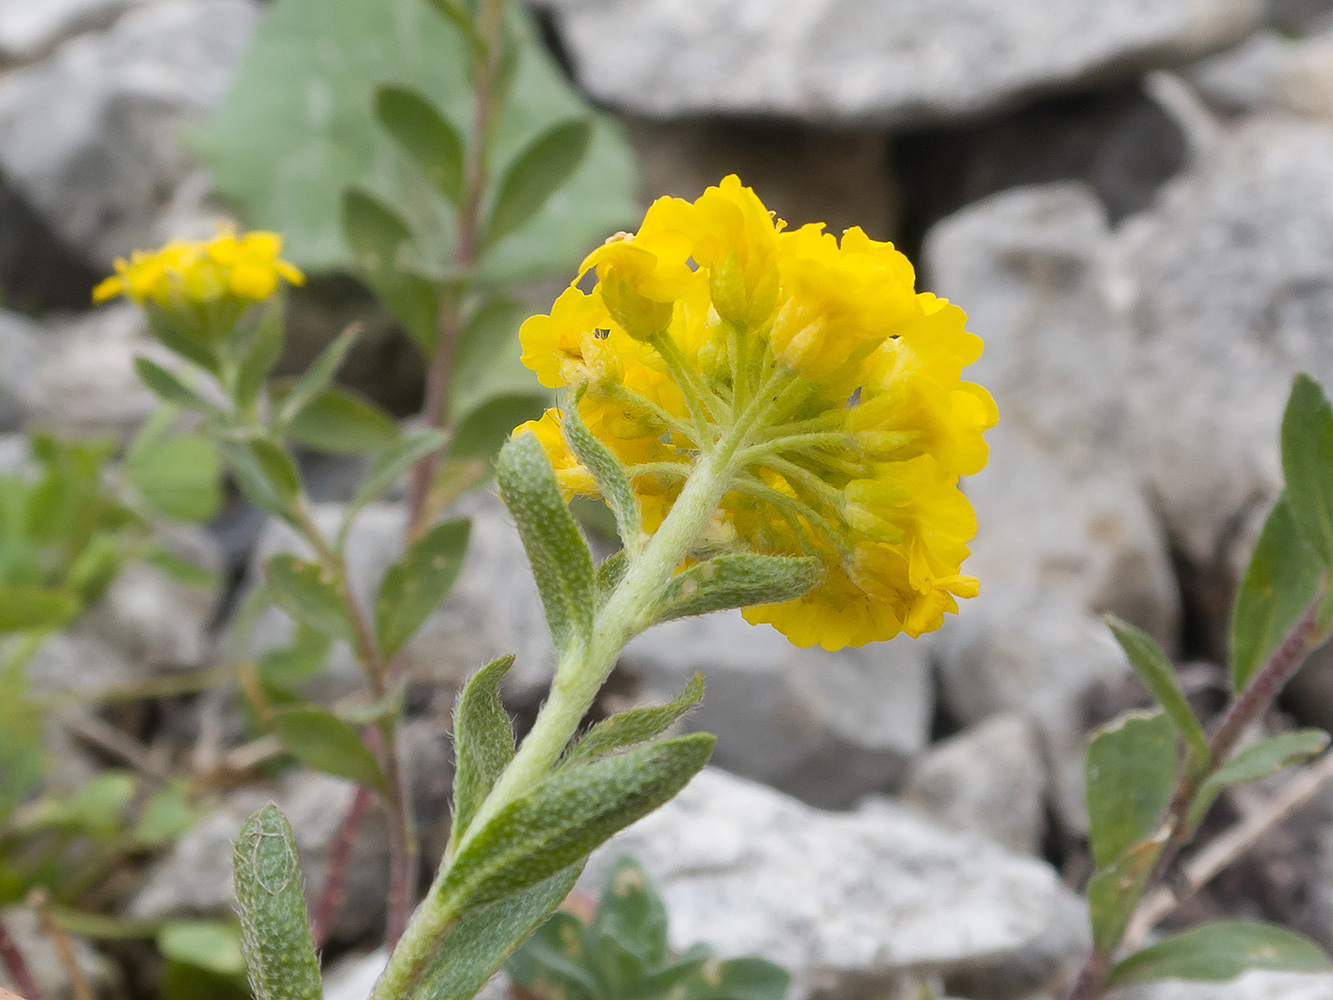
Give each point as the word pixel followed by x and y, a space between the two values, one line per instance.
pixel 833 388
pixel 247 268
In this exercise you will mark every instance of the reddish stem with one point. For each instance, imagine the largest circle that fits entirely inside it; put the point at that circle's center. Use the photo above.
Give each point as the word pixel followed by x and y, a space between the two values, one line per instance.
pixel 334 891
pixel 16 965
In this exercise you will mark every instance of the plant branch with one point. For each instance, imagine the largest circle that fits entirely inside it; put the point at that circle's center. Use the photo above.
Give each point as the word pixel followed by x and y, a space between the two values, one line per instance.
pixel 334 890
pixel 69 962
pixel 16 966
pixel 467 248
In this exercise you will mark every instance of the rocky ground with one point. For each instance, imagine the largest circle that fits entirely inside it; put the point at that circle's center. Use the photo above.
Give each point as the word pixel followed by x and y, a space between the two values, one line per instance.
pixel 1134 202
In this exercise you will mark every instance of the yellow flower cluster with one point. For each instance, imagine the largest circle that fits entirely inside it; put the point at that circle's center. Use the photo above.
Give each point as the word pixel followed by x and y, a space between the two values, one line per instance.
pixel 837 383
pixel 247 268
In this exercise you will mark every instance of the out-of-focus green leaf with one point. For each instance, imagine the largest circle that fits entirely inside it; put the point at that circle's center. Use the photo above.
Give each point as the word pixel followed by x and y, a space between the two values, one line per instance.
pixel 297 126
pixel 1157 674
pixel 290 667
pixel 341 422
pixel 487 360
pixel 485 429
pixel 168 814
pixel 39 608
pixel 537 172
pixel 1131 775
pixel 205 944
pixel 416 584
pixel 1255 762
pixel 1307 464
pixel 180 475
pixel 310 595
pixel 1282 580
pixel 1217 952
pixel 322 741
pixel 425 135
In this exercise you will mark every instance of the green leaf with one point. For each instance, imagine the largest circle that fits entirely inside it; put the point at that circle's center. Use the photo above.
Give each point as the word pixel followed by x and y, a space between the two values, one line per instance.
pixel 556 958
pixel 95 809
pixel 256 476
pixel 1307 464
pixel 1217 952
pixel 289 668
pixel 38 608
pixel 341 422
pixel 1282 580
pixel 737 581
pixel 415 585
pixel 610 571
pixel 1255 762
pixel 169 387
pixel 180 475
pixel 632 914
pixel 1114 891
pixel 425 135
pixel 482 432
pixel 310 594
pixel 319 375
pixel 740 979
pixel 635 725
pixel 191 344
pixel 392 463
pixel 483 937
pixel 488 358
pixel 21 725
pixel 275 934
pixel 205 944
pixel 606 470
pixel 381 242
pixel 1131 776
pixel 483 742
pixel 561 562
pixel 263 352
pixel 295 128
pixel 568 815
pixel 322 741
pixel 1157 674
pixel 539 171
pixel 167 815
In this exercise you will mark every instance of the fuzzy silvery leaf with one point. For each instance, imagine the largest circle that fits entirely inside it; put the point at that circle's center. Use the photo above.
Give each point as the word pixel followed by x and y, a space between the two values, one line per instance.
pixel 564 818
pixel 607 471
pixel 416 584
pixel 739 580
pixel 1281 581
pixel 560 559
pixel 1221 951
pixel 478 943
pixel 634 726
pixel 483 742
pixel 275 933
pixel 1255 762
pixel 1131 771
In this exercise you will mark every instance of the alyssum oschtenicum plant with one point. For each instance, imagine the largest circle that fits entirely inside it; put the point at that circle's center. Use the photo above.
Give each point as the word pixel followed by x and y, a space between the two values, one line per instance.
pixel 1153 776
pixel 708 406
pixel 776 420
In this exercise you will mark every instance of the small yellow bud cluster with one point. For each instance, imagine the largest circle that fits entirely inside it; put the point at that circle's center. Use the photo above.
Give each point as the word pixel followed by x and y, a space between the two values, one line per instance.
pixel 244 268
pixel 841 383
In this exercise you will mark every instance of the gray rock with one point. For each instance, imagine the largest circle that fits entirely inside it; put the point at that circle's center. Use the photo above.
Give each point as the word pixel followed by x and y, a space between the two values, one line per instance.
pixel 826 727
pixel 848 901
pixel 840 177
pixel 990 780
pixel 91 137
pixel 30 30
pixel 45 964
pixel 1253 986
pixel 493 608
pixel 891 63
pixel 1229 283
pixel 85 382
pixel 1060 502
pixel 20 353
pixel 195 877
pixel 1271 72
